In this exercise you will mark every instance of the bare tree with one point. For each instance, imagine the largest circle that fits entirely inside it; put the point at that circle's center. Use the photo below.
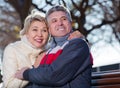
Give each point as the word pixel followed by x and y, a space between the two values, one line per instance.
pixel 22 7
pixel 106 11
pixel 9 23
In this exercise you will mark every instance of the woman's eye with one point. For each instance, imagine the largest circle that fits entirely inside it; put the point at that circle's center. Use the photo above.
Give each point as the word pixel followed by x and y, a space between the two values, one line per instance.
pixel 44 30
pixel 34 29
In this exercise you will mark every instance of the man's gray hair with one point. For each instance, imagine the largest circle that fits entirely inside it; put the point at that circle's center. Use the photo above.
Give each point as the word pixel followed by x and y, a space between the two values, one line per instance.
pixel 59 8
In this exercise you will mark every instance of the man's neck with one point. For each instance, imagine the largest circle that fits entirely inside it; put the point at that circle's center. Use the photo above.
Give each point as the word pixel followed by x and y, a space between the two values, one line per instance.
pixel 60 40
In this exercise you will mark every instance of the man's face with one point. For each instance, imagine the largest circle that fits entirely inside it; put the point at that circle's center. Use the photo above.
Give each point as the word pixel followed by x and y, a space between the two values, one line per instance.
pixel 59 25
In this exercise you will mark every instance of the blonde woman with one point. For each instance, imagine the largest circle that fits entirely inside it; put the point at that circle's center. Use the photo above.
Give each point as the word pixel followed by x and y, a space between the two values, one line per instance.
pixel 23 53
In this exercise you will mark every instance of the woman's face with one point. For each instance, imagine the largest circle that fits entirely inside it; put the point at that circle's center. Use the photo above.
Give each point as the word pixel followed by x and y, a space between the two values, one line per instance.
pixel 37 34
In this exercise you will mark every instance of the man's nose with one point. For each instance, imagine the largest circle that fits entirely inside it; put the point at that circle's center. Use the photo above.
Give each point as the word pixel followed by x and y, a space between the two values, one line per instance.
pixel 60 22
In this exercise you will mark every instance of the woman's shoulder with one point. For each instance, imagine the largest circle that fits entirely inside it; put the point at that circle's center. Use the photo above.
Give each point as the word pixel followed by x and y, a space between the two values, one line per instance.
pixel 13 45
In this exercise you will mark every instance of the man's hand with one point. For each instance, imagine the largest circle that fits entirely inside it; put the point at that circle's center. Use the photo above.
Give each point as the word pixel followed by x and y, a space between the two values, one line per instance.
pixel 19 73
pixel 75 34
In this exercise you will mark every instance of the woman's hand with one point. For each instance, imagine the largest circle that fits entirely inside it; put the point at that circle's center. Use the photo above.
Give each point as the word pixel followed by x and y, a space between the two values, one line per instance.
pixel 38 59
pixel 75 34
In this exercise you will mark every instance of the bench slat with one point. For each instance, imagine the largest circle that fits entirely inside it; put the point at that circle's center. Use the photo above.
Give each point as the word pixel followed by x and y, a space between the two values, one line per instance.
pixel 106 81
pixel 107 86
pixel 109 79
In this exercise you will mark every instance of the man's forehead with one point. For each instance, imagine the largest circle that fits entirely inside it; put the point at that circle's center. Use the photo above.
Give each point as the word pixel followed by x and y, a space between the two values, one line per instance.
pixel 57 14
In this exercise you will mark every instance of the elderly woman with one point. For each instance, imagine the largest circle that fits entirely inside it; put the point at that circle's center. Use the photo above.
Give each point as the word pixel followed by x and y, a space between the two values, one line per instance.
pixel 23 53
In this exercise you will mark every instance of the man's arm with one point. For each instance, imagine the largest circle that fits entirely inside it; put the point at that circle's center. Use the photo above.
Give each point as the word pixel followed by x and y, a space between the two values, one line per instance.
pixel 63 68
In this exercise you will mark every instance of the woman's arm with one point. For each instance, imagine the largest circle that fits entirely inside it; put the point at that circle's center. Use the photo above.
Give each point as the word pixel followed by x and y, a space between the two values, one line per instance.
pixel 75 34
pixel 10 66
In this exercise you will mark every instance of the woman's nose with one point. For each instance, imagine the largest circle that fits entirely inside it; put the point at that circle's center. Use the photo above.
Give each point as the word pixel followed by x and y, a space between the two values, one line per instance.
pixel 39 33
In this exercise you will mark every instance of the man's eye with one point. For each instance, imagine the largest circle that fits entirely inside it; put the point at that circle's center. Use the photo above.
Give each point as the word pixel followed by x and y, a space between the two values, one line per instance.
pixel 53 21
pixel 64 18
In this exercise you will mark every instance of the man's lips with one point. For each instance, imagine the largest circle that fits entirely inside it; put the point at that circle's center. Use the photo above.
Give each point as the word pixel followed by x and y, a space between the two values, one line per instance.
pixel 60 28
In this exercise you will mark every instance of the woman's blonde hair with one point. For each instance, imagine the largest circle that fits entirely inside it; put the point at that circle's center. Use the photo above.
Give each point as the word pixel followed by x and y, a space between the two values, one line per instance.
pixel 35 15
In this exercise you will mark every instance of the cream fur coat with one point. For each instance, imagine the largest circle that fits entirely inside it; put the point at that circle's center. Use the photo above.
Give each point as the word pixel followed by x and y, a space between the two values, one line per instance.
pixel 17 55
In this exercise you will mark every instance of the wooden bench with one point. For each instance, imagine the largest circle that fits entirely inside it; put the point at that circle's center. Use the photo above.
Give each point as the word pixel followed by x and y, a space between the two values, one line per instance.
pixel 109 79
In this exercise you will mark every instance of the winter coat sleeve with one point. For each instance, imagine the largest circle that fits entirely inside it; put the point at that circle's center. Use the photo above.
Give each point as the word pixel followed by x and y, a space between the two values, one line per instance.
pixel 64 68
pixel 10 66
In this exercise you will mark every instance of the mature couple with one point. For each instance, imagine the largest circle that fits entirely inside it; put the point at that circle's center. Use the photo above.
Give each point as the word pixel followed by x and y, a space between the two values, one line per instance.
pixel 66 64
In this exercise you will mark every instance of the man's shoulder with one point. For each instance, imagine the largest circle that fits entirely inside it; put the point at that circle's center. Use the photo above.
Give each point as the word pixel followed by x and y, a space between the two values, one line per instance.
pixel 77 40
